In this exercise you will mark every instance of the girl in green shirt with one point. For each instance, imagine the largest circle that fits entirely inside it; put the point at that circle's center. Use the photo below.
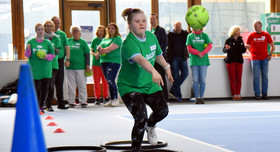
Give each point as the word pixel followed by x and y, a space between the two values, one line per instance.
pixel 138 80
pixel 41 67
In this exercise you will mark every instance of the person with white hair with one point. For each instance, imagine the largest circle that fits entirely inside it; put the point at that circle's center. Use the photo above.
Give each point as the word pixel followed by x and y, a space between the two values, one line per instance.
pixel 79 64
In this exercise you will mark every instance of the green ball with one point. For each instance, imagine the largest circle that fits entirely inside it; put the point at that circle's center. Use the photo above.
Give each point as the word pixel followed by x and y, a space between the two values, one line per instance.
pixel 197 17
pixel 205 45
pixel 88 74
pixel 103 54
pixel 41 54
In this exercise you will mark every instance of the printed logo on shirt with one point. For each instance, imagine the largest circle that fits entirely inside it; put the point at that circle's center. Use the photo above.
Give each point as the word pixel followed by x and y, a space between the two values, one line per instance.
pixel 198 41
pixel 39 46
pixel 261 39
pixel 153 47
pixel 77 43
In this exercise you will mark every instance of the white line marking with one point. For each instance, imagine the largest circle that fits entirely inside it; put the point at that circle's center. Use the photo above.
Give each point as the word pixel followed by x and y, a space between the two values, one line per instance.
pixel 185 137
pixel 241 117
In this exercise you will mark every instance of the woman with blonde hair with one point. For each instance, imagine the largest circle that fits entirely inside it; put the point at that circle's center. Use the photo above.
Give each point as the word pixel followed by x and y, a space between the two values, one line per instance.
pixel 234 47
pixel 110 60
pixel 50 35
pixel 96 66
pixel 41 66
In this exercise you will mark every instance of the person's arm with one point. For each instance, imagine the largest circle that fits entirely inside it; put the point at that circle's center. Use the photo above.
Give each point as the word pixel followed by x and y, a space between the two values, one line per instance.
pixel 192 50
pixel 161 61
pixel 207 49
pixel 109 49
pixel 272 49
pixel 27 52
pixel 67 51
pixel 146 65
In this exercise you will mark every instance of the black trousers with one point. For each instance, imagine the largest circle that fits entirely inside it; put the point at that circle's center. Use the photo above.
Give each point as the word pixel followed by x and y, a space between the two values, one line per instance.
pixel 136 104
pixel 161 71
pixel 51 88
pixel 41 90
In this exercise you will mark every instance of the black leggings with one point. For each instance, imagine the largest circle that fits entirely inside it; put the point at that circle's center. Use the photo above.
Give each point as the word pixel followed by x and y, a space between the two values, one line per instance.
pixel 42 87
pixel 136 104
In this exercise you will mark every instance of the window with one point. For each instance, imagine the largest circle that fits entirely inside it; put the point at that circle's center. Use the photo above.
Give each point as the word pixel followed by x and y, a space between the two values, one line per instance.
pixel 225 13
pixel 6 44
pixel 38 11
pixel 171 11
pixel 145 5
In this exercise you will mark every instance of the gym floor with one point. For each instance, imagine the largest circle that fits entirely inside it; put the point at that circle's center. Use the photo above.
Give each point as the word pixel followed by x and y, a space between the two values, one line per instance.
pixel 220 125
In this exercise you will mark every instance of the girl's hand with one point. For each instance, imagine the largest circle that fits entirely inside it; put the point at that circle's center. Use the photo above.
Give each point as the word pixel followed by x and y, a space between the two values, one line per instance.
pixel 157 78
pixel 169 75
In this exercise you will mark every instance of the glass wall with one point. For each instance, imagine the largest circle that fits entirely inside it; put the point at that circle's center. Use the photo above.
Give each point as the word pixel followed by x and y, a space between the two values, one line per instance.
pixel 171 11
pixel 224 13
pixel 145 5
pixel 6 45
pixel 37 11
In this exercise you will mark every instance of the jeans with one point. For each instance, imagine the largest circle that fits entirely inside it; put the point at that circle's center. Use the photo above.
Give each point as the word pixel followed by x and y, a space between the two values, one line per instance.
pixel 178 65
pixel 199 75
pixel 260 67
pixel 110 71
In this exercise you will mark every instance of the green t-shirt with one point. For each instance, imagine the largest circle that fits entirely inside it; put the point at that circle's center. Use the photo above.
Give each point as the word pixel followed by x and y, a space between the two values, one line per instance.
pixel 197 42
pixel 41 68
pixel 113 56
pixel 56 44
pixel 63 40
pixel 78 49
pixel 94 44
pixel 132 77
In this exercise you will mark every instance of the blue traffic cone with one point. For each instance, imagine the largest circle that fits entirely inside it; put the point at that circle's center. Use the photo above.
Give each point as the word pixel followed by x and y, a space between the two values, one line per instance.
pixel 28 133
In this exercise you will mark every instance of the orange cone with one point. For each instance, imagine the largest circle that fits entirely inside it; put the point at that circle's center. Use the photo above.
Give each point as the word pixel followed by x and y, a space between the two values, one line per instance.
pixel 51 124
pixel 49 117
pixel 41 113
pixel 58 130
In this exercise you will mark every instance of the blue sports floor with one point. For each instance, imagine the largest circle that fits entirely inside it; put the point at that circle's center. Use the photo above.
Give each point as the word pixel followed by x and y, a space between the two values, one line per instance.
pixel 235 131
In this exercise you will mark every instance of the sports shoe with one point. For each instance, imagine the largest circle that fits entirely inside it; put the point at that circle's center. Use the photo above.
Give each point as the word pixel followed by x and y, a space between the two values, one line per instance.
pixel 71 106
pixel 107 104
pixel 197 101
pixel 42 109
pixel 115 103
pixel 258 98
pixel 83 105
pixel 265 97
pixel 201 101
pixel 97 102
pixel 151 134
pixel 61 107
pixel 50 109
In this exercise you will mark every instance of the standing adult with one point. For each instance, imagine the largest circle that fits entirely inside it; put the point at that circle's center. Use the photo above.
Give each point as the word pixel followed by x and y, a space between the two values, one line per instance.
pixel 41 66
pixel 50 35
pixel 96 66
pixel 162 39
pixel 138 80
pixel 79 64
pixel 110 60
pixel 177 56
pixel 199 61
pixel 257 44
pixel 64 51
pixel 234 47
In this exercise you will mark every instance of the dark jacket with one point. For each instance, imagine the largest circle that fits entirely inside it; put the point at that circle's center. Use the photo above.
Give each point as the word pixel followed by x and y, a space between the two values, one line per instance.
pixel 162 39
pixel 177 46
pixel 234 54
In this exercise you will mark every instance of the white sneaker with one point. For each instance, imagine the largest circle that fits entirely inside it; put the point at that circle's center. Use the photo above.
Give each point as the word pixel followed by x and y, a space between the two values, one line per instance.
pixel 107 104
pixel 115 103
pixel 151 134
